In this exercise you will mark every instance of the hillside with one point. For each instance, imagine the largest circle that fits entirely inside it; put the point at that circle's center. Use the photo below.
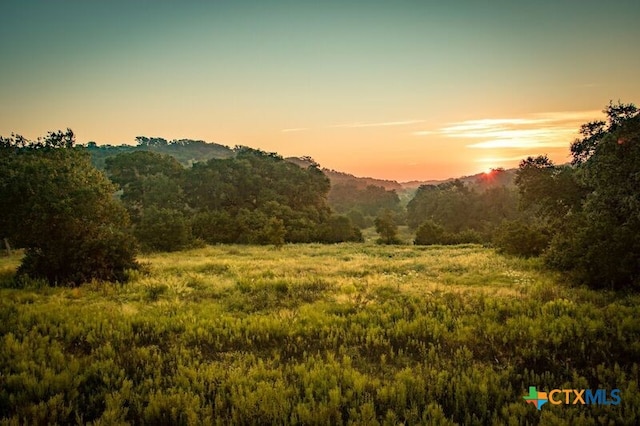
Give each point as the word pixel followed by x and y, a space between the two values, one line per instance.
pixel 341 178
pixel 498 177
pixel 186 151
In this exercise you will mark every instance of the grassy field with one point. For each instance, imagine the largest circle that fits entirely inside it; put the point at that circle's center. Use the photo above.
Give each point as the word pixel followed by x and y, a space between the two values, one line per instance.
pixel 316 334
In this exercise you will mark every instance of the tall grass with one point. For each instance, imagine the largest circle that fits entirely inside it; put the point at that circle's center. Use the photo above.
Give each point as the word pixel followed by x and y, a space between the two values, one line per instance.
pixel 316 334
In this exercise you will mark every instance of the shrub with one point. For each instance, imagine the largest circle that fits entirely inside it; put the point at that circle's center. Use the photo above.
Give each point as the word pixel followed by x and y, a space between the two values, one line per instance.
pixel 429 233
pixel 521 239
pixel 338 229
pixel 432 233
pixel 163 229
pixel 387 227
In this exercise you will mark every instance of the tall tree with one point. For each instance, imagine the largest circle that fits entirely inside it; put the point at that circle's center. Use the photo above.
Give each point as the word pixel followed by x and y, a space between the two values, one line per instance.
pixel 602 245
pixel 387 228
pixel 61 209
pixel 595 206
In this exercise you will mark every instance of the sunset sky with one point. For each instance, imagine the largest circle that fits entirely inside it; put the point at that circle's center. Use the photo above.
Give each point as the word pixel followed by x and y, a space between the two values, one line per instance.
pixel 400 90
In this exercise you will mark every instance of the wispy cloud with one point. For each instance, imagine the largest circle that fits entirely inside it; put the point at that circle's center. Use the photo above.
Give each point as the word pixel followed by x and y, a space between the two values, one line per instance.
pixel 534 131
pixel 424 132
pixel 498 160
pixel 295 129
pixel 378 124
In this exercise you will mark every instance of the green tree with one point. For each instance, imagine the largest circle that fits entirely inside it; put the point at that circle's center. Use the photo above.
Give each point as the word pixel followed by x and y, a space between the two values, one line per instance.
pixel 152 192
pixel 238 198
pixel 359 219
pixel 601 245
pixel 338 229
pixel 61 209
pixel 594 206
pixel 214 227
pixel 147 178
pixel 387 228
pixel 275 232
pixel 371 200
pixel 162 229
pixel 521 238
pixel 548 190
pixel 466 213
pixel 429 233
pixel 449 204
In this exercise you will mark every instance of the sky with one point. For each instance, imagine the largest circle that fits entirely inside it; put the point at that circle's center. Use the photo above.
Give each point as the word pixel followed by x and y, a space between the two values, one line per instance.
pixel 402 90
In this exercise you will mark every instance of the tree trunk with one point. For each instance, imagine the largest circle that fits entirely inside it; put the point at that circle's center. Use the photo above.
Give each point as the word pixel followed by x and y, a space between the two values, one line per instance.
pixel 7 246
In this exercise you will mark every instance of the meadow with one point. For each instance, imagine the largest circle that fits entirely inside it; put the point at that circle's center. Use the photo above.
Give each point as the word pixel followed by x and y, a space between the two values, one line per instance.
pixel 316 334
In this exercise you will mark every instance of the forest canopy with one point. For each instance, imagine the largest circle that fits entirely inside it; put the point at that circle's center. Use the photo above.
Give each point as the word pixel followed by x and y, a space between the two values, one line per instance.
pixel 253 197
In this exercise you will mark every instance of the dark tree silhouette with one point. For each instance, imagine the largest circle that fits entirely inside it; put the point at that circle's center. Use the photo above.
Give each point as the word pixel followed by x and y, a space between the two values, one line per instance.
pixel 61 209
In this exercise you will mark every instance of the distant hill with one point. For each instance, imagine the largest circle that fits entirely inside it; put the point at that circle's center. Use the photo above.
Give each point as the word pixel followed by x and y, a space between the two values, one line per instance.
pixel 186 151
pixel 341 178
pixel 498 177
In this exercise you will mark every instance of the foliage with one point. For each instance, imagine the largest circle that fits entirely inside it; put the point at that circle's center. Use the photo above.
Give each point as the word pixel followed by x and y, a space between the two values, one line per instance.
pixel 432 233
pixel 429 233
pixel 447 202
pixel 252 198
pixel 338 229
pixel 593 207
pixel 459 208
pixel 548 190
pixel 249 197
pixel 603 242
pixel 147 179
pixel 186 151
pixel 316 334
pixel 370 201
pixel 594 132
pixel 61 210
pixel 387 226
pixel 127 170
pixel 521 238
pixel 162 229
pixel 214 227
pixel 152 190
pixel 359 219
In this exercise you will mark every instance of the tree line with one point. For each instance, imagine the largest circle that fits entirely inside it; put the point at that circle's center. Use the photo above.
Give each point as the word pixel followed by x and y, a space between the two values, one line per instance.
pixel 583 218
pixel 61 209
pixel 590 210
pixel 253 197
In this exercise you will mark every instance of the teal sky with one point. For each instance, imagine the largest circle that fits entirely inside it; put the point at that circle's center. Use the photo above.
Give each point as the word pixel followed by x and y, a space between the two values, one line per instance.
pixel 402 90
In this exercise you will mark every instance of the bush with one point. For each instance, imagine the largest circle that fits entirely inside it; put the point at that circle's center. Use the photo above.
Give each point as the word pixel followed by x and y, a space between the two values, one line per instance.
pixel 163 229
pixel 431 232
pixel 467 236
pixel 338 229
pixel 387 227
pixel 521 239
pixel 107 256
pixel 214 227
pixel 359 219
